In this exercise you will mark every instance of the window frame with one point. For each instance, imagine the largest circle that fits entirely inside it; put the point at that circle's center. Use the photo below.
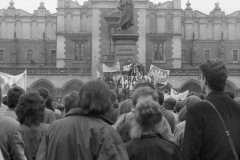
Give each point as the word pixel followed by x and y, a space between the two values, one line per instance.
pixel 27 58
pixel 237 56
pixel 2 49
pixel 83 43
pixel 51 56
pixel 163 51
pixel 204 53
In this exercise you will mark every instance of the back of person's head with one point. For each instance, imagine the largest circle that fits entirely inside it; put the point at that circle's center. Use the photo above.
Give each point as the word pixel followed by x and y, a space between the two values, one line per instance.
pixel 125 107
pixel 44 93
pixel 144 92
pixel 170 103
pixel 191 101
pixel 1 98
pixel 230 94
pixel 160 97
pixel 215 73
pixel 30 109
pixel 94 98
pixel 147 117
pixel 182 114
pixel 70 101
pixel 178 106
pixel 49 103
pixel 143 84
pixel 13 95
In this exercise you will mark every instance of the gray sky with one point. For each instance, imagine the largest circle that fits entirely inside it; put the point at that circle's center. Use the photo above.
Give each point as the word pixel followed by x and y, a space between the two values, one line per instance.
pixel 205 6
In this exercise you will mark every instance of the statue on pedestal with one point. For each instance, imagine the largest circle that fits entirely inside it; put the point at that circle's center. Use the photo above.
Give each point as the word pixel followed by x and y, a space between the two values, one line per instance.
pixel 125 11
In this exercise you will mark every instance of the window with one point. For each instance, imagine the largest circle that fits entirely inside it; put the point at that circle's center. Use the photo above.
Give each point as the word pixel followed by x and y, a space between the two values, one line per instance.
pixel 53 56
pixel 158 52
pixel 1 55
pixel 207 54
pixel 78 52
pixel 235 55
pixel 184 56
pixel 29 56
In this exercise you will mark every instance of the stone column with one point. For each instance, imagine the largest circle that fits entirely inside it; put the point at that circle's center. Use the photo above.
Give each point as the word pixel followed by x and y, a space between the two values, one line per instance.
pixel 161 22
pixel 142 35
pixel 176 57
pixel 96 13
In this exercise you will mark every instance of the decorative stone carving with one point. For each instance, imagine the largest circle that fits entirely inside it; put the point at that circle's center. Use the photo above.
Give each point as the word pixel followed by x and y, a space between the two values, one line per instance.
pixel 165 5
pixel 217 12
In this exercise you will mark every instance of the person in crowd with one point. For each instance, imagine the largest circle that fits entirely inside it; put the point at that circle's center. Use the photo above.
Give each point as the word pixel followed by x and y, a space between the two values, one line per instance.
pixel 123 124
pixel 180 127
pixel 178 107
pixel 147 143
pixel 205 137
pixel 49 115
pixel 13 95
pixel 69 101
pixel 125 107
pixel 112 114
pixel 30 113
pixel 49 104
pixel 168 106
pixel 166 114
pixel 83 133
pixel 11 143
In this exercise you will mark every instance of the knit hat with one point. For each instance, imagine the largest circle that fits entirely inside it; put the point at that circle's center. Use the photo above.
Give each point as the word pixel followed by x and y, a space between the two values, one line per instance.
pixel 191 101
pixel 148 114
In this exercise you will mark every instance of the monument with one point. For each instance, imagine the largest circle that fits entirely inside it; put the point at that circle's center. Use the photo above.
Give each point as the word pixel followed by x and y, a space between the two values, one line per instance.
pixel 125 38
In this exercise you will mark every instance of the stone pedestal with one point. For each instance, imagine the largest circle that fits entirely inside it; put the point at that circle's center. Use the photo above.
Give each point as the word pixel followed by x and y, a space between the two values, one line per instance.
pixel 125 42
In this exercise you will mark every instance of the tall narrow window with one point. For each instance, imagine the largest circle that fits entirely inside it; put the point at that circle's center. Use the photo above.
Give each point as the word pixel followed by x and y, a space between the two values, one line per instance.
pixel 1 55
pixel 78 53
pixel 158 52
pixel 53 56
pixel 184 56
pixel 235 54
pixel 29 56
pixel 207 54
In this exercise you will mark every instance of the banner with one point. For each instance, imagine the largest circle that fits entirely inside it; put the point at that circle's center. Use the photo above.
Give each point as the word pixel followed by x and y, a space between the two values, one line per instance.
pixel 130 81
pixel 127 67
pixel 109 69
pixel 8 81
pixel 179 96
pixel 159 75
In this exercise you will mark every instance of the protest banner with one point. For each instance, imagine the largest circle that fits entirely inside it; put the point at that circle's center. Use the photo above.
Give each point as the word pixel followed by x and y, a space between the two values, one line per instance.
pixel 127 67
pixel 130 81
pixel 159 75
pixel 8 81
pixel 179 96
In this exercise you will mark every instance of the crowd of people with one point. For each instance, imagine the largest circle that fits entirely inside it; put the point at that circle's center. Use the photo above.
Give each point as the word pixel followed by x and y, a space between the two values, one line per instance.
pixel 94 125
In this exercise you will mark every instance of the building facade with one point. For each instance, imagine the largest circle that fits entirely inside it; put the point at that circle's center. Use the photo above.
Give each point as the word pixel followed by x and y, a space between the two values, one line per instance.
pixel 61 50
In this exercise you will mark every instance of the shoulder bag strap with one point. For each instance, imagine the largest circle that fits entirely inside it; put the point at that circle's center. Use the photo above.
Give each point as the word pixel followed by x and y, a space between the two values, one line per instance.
pixel 226 130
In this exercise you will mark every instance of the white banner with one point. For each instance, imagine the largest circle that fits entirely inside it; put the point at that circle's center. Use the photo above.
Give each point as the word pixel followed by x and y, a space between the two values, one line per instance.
pixel 179 96
pixel 8 81
pixel 109 69
pixel 159 75
pixel 130 81
pixel 127 67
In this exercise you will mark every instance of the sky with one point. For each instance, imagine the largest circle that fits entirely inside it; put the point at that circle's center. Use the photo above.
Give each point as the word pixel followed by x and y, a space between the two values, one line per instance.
pixel 205 6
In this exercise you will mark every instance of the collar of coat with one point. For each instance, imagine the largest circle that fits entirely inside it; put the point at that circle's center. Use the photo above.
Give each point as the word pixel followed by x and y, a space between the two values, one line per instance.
pixel 80 112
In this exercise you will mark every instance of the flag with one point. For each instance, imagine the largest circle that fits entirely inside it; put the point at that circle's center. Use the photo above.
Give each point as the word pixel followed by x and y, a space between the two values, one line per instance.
pixel 8 81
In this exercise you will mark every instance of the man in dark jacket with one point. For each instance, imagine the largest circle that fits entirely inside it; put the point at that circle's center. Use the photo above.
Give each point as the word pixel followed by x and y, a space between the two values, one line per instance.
pixel 205 137
pixel 83 134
